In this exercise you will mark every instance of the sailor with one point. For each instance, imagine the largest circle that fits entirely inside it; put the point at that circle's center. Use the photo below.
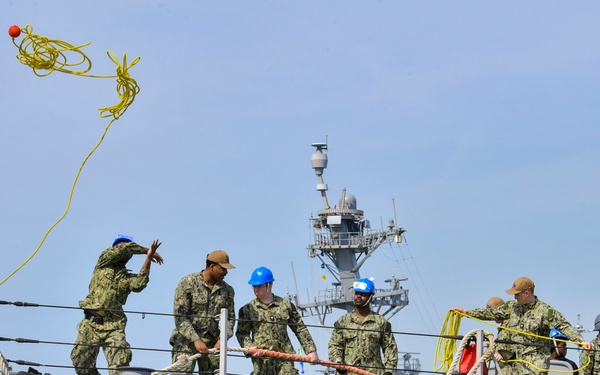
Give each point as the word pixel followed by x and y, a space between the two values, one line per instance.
pixel 494 302
pixel 263 323
pixel 558 350
pixel 503 335
pixel 530 321
pixel 361 335
pixel 199 298
pixel 104 321
pixel 593 356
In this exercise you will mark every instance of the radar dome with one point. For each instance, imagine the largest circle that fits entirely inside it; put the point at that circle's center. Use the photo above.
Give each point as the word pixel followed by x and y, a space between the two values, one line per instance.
pixel 350 202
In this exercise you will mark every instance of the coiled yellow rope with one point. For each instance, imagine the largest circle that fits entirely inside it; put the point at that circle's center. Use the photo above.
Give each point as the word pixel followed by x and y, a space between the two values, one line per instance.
pixel 127 88
pixel 45 56
pixel 447 342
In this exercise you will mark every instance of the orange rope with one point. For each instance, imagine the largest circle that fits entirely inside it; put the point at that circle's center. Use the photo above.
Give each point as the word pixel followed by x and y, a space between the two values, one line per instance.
pixel 304 358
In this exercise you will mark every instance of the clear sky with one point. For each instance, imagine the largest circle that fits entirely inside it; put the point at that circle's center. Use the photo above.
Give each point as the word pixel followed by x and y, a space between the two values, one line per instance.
pixel 479 119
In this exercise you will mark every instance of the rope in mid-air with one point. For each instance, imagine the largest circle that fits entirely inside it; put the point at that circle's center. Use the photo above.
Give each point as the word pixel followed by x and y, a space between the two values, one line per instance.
pixel 46 56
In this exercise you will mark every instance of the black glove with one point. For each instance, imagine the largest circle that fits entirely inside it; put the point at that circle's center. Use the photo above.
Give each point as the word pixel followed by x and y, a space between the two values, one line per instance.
pixel 342 370
pixel 387 373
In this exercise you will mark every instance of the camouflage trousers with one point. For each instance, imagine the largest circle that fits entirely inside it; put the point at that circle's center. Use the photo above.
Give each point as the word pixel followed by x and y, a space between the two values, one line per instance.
pixel 91 336
pixel 273 366
pixel 207 365
pixel 507 369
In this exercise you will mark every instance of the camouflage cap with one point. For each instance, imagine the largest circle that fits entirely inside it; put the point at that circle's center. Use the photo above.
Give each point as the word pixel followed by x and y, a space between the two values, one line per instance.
pixel 521 284
pixel 221 257
pixel 494 302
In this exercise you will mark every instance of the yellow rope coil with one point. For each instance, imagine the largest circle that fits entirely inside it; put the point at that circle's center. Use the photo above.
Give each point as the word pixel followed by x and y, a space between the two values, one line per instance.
pixel 447 342
pixel 127 88
pixel 45 56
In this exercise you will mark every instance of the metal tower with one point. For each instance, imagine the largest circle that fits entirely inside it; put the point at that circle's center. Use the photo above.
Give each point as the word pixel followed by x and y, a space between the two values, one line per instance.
pixel 343 241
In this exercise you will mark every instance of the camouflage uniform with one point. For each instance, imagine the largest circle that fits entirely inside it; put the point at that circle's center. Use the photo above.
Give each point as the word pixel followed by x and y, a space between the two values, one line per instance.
pixel 594 357
pixel 108 292
pixel 503 334
pixel 360 344
pixel 536 318
pixel 196 307
pixel 265 327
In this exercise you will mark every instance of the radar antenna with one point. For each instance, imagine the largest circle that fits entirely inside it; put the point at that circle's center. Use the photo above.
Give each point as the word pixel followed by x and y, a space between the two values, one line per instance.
pixel 579 327
pixel 343 241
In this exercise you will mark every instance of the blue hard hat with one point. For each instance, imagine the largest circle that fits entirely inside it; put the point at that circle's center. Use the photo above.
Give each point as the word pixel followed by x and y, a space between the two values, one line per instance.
pixel 364 286
pixel 556 334
pixel 260 276
pixel 122 238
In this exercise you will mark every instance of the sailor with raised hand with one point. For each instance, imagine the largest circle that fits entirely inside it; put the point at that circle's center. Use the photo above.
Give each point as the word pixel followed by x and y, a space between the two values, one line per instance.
pixel 104 320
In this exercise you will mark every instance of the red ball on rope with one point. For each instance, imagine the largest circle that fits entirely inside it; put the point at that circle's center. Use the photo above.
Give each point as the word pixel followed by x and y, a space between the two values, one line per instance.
pixel 14 31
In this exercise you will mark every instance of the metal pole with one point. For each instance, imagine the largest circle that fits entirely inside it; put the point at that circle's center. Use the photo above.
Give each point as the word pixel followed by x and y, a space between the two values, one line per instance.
pixel 479 341
pixel 223 348
pixel 497 366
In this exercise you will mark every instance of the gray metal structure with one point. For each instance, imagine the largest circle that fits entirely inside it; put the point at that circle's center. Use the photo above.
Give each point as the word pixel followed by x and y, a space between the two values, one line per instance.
pixel 4 366
pixel 343 241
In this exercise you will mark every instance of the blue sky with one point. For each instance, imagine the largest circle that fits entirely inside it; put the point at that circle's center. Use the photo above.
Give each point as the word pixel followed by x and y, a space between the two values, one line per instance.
pixel 480 120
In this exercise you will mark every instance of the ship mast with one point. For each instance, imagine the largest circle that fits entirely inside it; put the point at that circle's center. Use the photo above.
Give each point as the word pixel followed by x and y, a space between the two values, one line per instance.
pixel 343 241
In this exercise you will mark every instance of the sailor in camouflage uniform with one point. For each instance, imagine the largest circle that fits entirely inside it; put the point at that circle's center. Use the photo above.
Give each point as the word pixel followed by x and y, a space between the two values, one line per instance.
pixel 361 335
pixel 263 324
pixel 526 313
pixel 104 320
pixel 558 350
pixel 503 335
pixel 197 304
pixel 593 355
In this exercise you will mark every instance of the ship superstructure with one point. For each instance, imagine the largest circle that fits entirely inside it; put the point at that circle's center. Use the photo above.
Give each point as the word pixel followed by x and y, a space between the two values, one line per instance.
pixel 343 241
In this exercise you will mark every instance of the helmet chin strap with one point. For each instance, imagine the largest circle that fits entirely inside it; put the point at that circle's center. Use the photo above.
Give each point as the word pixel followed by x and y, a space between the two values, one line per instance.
pixel 368 301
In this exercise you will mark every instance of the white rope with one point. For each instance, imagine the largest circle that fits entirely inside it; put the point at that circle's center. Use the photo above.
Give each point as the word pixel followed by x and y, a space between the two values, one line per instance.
pixel 239 350
pixel 183 361
pixel 462 346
